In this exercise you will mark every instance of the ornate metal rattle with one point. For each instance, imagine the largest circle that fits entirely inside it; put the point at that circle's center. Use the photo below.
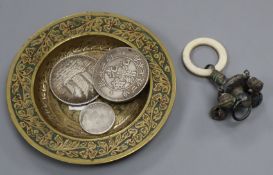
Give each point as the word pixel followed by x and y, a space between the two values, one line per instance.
pixel 237 94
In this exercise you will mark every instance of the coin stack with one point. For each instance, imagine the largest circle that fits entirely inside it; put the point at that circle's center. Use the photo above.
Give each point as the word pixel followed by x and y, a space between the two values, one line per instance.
pixel 118 76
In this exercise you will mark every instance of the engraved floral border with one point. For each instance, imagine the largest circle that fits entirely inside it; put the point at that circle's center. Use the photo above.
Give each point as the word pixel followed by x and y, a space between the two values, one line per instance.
pixel 38 131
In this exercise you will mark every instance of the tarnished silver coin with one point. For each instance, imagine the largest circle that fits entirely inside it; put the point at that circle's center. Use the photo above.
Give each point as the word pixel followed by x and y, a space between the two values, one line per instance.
pixel 71 81
pixel 121 74
pixel 97 118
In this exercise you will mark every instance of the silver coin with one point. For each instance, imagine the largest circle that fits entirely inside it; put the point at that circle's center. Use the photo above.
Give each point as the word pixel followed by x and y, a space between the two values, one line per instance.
pixel 71 81
pixel 121 74
pixel 97 118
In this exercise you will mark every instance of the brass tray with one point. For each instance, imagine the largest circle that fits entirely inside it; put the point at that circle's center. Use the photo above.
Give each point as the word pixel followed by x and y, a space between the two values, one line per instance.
pixel 51 126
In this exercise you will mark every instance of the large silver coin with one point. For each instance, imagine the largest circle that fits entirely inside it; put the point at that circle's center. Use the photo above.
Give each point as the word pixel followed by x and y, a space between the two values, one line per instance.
pixel 121 74
pixel 71 82
pixel 97 118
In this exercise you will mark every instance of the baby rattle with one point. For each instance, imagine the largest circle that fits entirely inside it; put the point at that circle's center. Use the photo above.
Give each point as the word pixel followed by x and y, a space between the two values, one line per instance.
pixel 237 94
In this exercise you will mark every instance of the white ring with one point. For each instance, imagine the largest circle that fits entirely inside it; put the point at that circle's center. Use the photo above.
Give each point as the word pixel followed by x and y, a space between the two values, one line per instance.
pixel 221 51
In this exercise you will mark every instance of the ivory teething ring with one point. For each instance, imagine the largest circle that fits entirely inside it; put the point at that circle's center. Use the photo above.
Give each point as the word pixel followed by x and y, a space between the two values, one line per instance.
pixel 219 48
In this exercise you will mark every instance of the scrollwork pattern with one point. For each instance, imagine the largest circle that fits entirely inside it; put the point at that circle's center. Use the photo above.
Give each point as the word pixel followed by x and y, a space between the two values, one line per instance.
pixel 61 145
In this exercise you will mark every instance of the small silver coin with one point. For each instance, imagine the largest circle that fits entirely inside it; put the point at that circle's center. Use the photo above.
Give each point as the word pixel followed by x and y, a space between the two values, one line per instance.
pixel 71 81
pixel 97 118
pixel 121 74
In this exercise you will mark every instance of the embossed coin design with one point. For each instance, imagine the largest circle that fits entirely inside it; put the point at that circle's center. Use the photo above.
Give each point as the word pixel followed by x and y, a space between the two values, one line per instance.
pixel 71 80
pixel 121 74
pixel 97 118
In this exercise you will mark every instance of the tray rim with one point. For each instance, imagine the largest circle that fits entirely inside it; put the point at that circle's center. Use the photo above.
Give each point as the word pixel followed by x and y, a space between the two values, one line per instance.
pixel 76 160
